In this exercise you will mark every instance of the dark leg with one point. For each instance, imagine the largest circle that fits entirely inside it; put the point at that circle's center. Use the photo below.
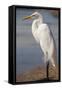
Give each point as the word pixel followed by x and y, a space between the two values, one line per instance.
pixel 47 70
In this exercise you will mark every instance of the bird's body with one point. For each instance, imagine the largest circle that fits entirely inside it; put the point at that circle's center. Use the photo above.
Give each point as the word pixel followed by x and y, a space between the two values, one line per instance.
pixel 43 37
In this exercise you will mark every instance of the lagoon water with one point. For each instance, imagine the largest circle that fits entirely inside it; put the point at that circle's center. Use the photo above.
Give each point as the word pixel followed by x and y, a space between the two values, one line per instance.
pixel 28 53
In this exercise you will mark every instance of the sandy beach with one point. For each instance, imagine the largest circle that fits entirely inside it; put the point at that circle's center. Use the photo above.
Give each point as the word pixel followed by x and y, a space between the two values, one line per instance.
pixel 38 73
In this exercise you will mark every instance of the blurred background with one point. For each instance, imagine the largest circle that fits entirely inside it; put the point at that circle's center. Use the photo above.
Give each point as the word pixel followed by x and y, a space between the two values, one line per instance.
pixel 28 52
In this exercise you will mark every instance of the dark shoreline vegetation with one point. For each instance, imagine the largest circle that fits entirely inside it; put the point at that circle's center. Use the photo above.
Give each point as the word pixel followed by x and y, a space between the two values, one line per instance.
pixel 54 12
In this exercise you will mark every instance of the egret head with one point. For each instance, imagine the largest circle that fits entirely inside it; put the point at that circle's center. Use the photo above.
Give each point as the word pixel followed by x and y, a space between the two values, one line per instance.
pixel 35 15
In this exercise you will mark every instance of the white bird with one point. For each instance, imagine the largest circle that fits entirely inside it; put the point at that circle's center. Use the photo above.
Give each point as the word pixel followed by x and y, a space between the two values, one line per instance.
pixel 43 37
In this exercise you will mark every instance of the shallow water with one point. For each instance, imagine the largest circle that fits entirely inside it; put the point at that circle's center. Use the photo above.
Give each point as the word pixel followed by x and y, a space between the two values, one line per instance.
pixel 28 52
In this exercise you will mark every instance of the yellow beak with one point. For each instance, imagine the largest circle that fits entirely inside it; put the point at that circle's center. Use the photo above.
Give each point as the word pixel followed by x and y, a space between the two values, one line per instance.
pixel 28 17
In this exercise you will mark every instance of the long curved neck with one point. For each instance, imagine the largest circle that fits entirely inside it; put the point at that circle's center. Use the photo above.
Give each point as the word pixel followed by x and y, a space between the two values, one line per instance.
pixel 36 24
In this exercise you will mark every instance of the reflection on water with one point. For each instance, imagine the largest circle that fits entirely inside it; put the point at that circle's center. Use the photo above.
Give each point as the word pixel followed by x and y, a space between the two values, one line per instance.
pixel 28 52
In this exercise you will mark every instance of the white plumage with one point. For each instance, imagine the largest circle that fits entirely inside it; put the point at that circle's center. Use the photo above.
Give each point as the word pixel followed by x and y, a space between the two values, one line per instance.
pixel 42 35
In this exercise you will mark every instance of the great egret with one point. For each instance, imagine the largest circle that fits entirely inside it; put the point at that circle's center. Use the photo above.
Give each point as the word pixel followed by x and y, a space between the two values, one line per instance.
pixel 42 35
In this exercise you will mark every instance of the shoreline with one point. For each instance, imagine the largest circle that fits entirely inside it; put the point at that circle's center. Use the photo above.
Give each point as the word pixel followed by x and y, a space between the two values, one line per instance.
pixel 38 73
